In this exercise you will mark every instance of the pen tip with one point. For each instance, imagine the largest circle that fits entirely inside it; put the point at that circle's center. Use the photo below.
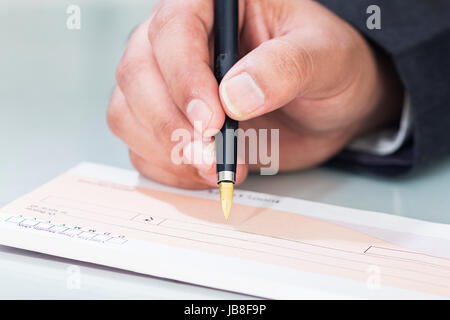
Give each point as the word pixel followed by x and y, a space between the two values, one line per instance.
pixel 226 208
pixel 226 197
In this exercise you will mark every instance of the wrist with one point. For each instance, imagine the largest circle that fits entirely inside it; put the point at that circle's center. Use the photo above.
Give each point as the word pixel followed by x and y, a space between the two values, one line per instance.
pixel 387 96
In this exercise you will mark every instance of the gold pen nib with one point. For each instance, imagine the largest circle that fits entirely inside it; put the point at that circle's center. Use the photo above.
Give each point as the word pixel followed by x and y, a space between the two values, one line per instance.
pixel 226 197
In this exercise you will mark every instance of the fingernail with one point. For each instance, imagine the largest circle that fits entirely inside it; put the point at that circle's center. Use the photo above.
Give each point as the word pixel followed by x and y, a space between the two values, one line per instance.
pixel 241 94
pixel 198 113
pixel 201 155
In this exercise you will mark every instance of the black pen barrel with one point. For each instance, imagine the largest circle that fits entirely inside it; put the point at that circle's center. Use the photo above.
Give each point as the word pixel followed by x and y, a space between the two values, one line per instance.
pixel 226 54
pixel 226 35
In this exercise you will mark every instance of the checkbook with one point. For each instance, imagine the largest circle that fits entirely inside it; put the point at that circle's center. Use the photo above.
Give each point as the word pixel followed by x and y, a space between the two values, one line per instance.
pixel 271 247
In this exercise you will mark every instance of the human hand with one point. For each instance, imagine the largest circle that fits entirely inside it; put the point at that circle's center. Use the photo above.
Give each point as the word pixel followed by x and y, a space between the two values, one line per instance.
pixel 303 71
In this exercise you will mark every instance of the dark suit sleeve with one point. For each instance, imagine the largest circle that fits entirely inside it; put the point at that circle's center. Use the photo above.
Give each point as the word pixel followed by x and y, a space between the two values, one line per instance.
pixel 415 34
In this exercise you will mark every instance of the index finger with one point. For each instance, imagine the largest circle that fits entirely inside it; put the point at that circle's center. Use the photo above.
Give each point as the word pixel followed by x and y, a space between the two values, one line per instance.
pixel 179 33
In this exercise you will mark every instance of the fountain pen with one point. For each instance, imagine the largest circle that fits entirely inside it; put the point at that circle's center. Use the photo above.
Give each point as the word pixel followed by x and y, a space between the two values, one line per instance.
pixel 226 54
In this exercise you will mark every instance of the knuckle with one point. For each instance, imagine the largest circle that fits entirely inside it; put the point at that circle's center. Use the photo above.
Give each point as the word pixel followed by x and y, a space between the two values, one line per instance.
pixel 295 62
pixel 180 85
pixel 304 66
pixel 126 70
pixel 114 117
pixel 173 16
pixel 164 17
pixel 163 127
pixel 136 161
pixel 136 56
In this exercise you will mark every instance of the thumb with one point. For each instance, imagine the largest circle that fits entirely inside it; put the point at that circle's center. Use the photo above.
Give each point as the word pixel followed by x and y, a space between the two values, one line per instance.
pixel 267 78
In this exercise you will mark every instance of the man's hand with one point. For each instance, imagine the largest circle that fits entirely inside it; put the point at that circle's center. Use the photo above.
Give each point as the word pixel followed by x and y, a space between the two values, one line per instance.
pixel 303 70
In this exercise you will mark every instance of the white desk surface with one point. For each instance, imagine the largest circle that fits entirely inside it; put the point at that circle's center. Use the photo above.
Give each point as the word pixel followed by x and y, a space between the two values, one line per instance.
pixel 54 89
